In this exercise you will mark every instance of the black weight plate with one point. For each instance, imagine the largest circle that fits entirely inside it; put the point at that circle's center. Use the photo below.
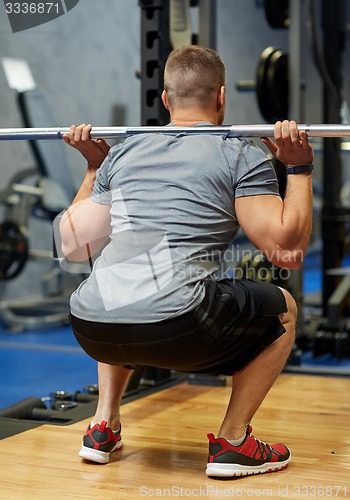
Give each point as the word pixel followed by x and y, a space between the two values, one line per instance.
pixel 13 250
pixel 277 86
pixel 277 13
pixel 254 266
pixel 281 175
pixel 262 82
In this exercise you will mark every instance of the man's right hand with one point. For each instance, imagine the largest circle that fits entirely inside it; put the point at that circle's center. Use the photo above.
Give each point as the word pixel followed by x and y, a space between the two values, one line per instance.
pixel 94 151
pixel 291 147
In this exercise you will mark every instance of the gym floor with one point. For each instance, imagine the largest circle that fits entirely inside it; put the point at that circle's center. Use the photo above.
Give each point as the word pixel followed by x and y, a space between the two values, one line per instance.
pixel 34 364
pixel 163 454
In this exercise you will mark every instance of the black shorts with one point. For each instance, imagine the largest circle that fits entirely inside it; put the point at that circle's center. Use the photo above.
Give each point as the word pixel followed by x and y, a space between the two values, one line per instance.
pixel 236 320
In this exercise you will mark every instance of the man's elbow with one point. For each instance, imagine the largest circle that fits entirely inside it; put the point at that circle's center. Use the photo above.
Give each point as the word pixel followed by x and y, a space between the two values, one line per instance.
pixel 75 254
pixel 290 258
pixel 294 261
pixel 84 252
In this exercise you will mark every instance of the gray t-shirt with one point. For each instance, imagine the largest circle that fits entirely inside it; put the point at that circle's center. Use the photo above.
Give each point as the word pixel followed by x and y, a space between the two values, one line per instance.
pixel 172 219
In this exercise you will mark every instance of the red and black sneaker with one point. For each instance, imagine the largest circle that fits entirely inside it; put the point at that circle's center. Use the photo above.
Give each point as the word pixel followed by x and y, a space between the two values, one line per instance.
pixel 250 457
pixel 99 442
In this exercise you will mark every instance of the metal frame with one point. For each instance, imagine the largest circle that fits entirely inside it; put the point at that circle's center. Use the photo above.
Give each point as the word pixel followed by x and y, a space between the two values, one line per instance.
pixel 296 108
pixel 155 49
pixel 207 23
pixel 334 216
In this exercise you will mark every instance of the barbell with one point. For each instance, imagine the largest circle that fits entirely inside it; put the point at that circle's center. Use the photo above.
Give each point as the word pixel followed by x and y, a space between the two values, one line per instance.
pixel 265 130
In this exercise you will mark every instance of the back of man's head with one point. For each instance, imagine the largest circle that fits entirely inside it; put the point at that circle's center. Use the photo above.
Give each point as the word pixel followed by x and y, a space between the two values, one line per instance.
pixel 192 75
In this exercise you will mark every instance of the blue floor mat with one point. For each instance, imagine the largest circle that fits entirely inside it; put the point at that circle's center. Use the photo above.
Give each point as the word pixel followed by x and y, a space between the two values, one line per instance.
pixel 35 364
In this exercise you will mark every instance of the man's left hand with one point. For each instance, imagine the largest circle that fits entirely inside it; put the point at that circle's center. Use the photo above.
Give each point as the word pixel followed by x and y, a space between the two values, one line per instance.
pixel 94 151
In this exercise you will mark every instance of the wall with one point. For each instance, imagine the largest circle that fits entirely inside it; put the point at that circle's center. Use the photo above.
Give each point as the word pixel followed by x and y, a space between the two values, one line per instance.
pixel 84 62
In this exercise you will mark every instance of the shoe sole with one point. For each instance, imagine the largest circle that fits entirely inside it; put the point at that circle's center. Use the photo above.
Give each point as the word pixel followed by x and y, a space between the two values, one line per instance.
pixel 232 470
pixel 100 457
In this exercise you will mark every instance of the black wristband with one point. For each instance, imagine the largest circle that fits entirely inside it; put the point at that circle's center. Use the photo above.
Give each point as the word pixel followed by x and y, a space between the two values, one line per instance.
pixel 298 169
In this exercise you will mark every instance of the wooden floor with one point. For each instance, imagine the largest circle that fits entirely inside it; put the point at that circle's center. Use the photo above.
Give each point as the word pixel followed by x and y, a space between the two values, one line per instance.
pixel 165 448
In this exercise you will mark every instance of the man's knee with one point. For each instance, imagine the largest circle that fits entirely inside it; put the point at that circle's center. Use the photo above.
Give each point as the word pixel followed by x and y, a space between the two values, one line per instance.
pixel 292 310
pixel 289 319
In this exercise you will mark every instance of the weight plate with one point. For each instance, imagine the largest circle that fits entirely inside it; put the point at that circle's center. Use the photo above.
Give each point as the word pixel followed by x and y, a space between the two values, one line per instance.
pixel 255 266
pixel 281 175
pixel 277 86
pixel 13 250
pixel 277 13
pixel 261 82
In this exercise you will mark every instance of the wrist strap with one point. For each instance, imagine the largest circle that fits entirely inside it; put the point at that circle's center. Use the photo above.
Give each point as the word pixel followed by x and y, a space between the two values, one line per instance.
pixel 298 169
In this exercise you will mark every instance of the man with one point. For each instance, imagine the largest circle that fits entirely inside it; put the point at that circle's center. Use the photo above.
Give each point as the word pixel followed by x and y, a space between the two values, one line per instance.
pixel 164 210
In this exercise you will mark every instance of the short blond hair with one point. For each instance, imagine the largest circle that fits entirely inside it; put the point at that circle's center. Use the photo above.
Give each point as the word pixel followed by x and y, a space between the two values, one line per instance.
pixel 192 73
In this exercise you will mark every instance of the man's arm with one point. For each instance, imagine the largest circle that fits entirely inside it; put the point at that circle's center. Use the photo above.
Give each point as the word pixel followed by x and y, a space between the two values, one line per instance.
pixel 93 151
pixel 85 226
pixel 281 229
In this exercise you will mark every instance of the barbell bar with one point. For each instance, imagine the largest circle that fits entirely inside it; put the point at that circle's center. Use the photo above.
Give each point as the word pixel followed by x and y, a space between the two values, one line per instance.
pixel 32 134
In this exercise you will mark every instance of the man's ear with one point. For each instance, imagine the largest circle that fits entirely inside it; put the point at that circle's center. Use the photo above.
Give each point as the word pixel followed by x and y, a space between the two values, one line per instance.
pixel 165 100
pixel 221 97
